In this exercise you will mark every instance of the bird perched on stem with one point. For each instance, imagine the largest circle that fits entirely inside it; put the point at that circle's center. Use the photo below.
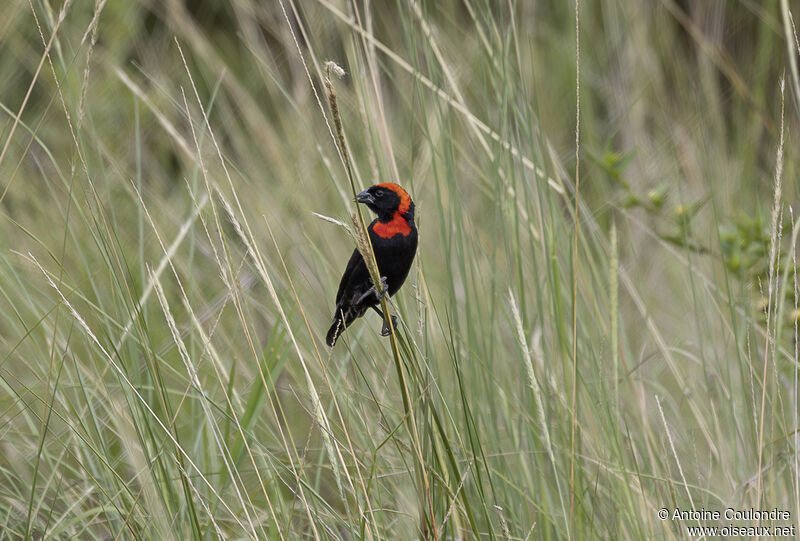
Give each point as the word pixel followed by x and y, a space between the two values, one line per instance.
pixel 394 241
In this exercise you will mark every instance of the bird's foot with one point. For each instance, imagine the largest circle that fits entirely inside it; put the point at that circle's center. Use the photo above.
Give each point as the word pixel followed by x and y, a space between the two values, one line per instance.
pixel 386 331
pixel 372 291
pixel 384 288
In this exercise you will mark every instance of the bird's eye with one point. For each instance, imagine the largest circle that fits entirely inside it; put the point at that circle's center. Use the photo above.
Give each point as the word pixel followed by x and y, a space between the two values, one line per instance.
pixel 378 193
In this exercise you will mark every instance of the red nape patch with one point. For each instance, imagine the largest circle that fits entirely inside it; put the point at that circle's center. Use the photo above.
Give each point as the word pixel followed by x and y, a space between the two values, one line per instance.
pixel 405 200
pixel 398 225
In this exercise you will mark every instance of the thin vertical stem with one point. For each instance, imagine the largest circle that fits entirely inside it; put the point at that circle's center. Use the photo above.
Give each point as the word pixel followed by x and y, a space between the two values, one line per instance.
pixel 575 268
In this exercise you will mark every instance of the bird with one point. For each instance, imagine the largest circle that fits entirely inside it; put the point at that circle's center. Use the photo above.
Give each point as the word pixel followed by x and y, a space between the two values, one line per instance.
pixel 394 241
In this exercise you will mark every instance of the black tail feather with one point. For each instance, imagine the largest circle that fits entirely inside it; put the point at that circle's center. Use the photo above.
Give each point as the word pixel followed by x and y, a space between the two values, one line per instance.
pixel 342 319
pixel 337 328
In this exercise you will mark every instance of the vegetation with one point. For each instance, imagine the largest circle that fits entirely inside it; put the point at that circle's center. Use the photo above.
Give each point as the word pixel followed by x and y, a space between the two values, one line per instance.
pixel 176 212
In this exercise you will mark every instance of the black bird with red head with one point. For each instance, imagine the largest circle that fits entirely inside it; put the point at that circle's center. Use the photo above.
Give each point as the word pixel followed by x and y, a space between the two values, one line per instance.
pixel 394 240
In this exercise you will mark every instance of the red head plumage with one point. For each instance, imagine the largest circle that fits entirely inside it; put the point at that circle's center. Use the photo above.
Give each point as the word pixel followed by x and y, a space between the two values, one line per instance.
pixel 405 199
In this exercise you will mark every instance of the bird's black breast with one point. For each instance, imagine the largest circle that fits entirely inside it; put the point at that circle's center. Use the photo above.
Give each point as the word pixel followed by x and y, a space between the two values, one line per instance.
pixel 394 256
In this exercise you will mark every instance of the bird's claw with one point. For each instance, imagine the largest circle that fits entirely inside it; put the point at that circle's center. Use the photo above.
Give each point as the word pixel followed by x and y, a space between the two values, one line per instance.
pixel 373 291
pixel 384 287
pixel 385 331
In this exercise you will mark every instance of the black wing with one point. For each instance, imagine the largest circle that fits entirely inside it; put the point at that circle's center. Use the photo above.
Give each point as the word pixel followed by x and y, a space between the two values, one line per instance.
pixel 355 271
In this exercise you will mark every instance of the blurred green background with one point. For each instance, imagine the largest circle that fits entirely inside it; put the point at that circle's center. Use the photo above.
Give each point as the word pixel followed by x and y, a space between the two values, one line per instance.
pixel 176 216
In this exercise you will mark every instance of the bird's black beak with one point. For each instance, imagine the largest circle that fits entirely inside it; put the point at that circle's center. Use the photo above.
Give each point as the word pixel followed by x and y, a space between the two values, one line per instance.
pixel 365 197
